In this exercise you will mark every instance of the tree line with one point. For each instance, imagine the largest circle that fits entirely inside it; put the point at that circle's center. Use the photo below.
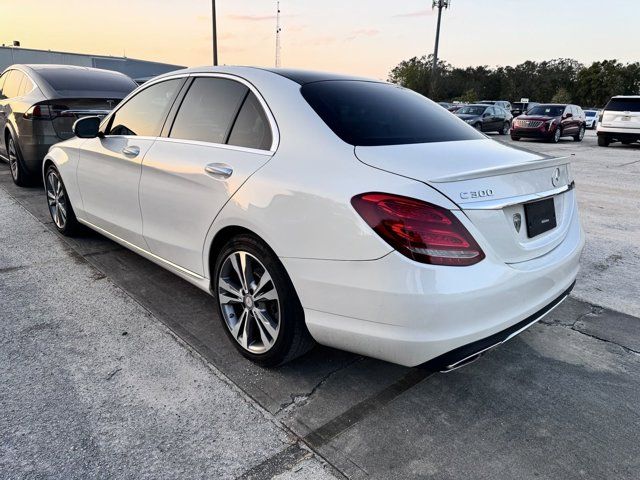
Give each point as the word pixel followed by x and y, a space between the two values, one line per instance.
pixel 562 80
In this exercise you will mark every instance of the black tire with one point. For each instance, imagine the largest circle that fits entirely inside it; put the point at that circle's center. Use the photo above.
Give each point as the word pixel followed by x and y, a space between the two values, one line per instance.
pixel 478 126
pixel 603 141
pixel 627 142
pixel 580 135
pixel 557 134
pixel 515 138
pixel 293 338
pixel 505 129
pixel 58 201
pixel 19 173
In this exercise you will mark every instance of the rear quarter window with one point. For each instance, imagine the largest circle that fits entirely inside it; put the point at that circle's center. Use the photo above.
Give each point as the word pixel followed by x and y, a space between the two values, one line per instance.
pixel 365 113
pixel 623 105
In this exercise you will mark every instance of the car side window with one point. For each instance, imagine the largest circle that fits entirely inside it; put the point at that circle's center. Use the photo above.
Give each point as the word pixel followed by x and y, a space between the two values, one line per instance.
pixel 208 110
pixel 144 114
pixel 12 84
pixel 251 128
pixel 26 86
pixel 3 77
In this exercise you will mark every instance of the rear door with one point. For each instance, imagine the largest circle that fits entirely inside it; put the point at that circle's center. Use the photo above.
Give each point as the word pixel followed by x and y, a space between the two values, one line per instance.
pixel 109 166
pixel 10 90
pixel 222 133
pixel 622 112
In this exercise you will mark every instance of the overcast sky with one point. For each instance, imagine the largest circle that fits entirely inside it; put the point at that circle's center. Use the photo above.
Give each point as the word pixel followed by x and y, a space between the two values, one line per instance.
pixel 365 37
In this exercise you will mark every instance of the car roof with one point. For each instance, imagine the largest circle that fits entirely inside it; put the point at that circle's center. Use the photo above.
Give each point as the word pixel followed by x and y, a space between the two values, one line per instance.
pixel 301 77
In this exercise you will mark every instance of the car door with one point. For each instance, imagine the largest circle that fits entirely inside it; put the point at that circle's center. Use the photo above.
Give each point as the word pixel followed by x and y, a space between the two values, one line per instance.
pixel 109 166
pixel 222 133
pixel 567 121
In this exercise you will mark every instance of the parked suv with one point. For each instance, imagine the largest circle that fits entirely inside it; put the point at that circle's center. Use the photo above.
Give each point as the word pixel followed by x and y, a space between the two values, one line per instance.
pixel 550 122
pixel 40 103
pixel 620 121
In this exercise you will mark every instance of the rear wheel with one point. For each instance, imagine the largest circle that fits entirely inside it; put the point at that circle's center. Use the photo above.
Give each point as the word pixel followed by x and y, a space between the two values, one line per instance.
pixel 505 128
pixel 580 135
pixel 515 138
pixel 19 173
pixel 603 141
pixel 60 207
pixel 259 308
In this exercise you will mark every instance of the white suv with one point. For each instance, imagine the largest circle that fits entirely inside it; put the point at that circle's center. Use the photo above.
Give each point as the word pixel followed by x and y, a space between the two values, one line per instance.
pixel 620 121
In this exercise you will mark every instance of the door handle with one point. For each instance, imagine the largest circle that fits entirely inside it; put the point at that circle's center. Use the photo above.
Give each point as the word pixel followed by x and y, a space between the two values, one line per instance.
pixel 219 170
pixel 131 151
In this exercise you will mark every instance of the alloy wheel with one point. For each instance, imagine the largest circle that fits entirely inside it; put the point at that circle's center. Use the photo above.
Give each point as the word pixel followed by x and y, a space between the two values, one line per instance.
pixel 556 135
pixel 249 302
pixel 56 199
pixel 581 133
pixel 505 128
pixel 13 159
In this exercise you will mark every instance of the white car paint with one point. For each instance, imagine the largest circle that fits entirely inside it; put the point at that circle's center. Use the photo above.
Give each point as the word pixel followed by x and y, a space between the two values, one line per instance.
pixel 358 294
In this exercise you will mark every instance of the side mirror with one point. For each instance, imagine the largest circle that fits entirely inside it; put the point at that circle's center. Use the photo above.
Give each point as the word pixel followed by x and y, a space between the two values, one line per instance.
pixel 568 115
pixel 486 114
pixel 87 127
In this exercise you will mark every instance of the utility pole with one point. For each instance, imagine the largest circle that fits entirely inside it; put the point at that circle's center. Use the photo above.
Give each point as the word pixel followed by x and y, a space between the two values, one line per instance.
pixel 278 30
pixel 439 4
pixel 215 32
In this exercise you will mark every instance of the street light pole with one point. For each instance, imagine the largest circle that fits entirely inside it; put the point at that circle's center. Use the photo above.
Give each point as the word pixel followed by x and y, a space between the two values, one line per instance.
pixel 215 32
pixel 439 4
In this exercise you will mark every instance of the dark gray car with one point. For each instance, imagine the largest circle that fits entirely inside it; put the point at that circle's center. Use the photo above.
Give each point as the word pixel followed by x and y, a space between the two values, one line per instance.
pixel 486 118
pixel 40 103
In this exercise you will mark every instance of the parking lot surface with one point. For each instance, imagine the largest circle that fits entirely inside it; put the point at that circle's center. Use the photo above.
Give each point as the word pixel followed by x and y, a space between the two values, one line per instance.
pixel 173 399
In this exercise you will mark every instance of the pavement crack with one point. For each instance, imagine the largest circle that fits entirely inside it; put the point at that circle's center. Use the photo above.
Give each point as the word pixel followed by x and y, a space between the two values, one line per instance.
pixel 626 349
pixel 112 374
pixel 300 399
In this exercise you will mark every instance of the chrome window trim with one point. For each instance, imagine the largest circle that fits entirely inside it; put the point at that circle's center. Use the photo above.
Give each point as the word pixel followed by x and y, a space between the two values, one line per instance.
pixel 275 132
pixel 273 125
pixel 135 92
pixel 508 202
pixel 224 146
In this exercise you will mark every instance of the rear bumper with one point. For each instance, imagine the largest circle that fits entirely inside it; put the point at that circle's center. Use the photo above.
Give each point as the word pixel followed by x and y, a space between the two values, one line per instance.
pixel 409 313
pixel 632 134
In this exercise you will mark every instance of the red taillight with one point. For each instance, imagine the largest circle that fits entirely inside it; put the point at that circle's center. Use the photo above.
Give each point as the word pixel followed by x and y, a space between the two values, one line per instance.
pixel 45 112
pixel 423 232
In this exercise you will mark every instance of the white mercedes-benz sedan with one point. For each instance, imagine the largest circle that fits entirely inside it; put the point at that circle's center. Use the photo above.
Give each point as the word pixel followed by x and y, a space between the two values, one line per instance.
pixel 316 207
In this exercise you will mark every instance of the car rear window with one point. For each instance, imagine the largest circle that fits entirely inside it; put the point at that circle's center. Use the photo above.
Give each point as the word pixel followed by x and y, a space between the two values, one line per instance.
pixel 68 80
pixel 623 105
pixel 371 114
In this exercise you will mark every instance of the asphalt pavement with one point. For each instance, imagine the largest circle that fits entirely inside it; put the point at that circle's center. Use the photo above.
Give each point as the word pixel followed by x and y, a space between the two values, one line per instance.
pixel 112 367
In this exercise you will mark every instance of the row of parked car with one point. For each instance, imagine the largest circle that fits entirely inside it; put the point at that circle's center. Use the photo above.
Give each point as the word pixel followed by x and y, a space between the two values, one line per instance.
pixel 619 121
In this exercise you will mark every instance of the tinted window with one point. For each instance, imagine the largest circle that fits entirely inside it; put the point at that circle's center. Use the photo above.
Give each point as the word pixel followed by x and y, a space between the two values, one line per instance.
pixel 208 110
pixel 26 86
pixel 371 113
pixel 547 110
pixel 623 105
pixel 3 77
pixel 590 113
pixel 144 114
pixel 471 110
pixel 12 84
pixel 74 79
pixel 251 128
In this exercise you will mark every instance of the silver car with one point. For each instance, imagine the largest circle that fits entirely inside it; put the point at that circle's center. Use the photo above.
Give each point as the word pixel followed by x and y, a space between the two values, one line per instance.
pixel 40 103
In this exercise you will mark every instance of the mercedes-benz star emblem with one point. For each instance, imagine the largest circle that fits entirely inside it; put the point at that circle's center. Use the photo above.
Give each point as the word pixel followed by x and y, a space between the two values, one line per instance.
pixel 517 221
pixel 555 178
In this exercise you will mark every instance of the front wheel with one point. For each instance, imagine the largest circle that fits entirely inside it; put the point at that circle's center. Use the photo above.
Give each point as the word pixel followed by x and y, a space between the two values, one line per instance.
pixel 505 128
pixel 556 135
pixel 580 135
pixel 478 126
pixel 60 207
pixel 515 138
pixel 258 306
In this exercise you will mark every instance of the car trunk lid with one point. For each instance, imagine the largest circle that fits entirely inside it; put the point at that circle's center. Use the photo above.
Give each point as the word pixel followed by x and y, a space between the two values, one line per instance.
pixel 491 183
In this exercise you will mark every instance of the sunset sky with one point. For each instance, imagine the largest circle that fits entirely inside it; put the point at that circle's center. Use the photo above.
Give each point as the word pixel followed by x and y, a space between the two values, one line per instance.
pixel 358 36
